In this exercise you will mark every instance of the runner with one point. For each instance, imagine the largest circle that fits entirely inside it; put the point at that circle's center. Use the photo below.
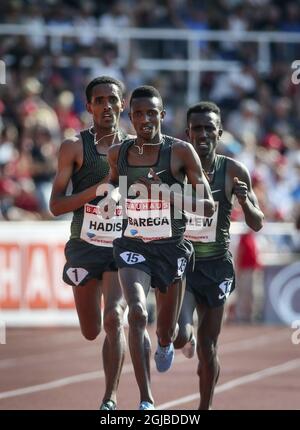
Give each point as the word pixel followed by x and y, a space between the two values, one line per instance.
pixel 213 279
pixel 90 267
pixel 152 250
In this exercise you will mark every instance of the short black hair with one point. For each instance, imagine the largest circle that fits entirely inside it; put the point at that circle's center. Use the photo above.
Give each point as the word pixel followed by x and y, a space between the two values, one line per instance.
pixel 203 107
pixel 145 91
pixel 103 80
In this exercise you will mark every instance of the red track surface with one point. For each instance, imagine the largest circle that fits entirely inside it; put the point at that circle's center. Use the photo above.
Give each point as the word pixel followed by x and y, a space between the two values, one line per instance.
pixel 58 369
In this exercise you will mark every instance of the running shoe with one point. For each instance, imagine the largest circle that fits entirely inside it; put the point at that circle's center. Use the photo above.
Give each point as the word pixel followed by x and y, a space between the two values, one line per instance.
pixel 108 405
pixel 189 348
pixel 164 357
pixel 146 405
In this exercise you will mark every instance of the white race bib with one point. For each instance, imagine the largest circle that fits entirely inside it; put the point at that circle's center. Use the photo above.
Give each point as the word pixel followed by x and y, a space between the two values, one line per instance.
pixel 202 229
pixel 148 219
pixel 76 274
pixel 99 231
pixel 225 288
pixel 132 257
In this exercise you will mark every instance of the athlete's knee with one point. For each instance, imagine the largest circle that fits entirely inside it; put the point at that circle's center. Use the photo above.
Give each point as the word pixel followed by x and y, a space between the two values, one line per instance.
pixel 113 319
pixel 91 333
pixel 137 315
pixel 207 350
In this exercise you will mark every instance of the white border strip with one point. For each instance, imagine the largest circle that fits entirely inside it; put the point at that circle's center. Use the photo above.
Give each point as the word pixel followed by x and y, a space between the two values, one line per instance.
pixel 40 318
pixel 246 379
pixel 82 377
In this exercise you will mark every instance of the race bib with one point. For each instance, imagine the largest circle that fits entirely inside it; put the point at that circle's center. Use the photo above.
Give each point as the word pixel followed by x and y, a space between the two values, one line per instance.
pixel 99 231
pixel 225 288
pixel 181 265
pixel 76 274
pixel 132 257
pixel 148 219
pixel 202 229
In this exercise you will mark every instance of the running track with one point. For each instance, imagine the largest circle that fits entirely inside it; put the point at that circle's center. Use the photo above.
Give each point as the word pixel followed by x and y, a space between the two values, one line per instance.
pixel 57 369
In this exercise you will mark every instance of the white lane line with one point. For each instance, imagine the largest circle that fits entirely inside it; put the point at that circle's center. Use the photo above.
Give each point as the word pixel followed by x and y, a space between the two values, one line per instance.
pixel 229 347
pixel 246 379
pixel 82 377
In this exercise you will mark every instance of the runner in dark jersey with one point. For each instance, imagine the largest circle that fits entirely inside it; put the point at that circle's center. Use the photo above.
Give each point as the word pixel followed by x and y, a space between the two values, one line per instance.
pixel 90 266
pixel 152 250
pixel 212 280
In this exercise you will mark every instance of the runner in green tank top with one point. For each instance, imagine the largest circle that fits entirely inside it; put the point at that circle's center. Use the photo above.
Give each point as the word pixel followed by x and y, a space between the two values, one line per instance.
pixel 212 280
pixel 152 250
pixel 90 267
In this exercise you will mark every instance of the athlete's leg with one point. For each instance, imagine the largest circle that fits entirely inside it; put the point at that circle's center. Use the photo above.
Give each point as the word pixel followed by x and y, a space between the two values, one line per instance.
pixel 185 321
pixel 209 327
pixel 168 309
pixel 87 301
pixel 115 342
pixel 136 284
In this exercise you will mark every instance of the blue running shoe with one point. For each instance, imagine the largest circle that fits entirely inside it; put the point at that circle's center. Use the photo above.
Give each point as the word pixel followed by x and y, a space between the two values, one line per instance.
pixel 108 405
pixel 164 357
pixel 146 406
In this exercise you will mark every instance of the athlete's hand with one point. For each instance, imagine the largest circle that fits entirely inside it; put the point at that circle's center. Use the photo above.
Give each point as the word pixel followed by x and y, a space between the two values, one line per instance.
pixel 107 206
pixel 240 189
pixel 147 181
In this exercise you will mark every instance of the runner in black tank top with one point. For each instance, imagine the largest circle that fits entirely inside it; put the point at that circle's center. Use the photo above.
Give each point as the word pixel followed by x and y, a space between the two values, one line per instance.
pixel 213 278
pixel 90 266
pixel 152 250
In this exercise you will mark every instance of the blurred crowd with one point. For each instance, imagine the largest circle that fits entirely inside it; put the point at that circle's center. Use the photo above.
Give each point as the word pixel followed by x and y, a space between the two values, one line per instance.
pixel 43 100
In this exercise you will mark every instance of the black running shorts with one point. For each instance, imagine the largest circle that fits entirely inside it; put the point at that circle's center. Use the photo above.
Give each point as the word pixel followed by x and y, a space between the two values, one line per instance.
pixel 212 280
pixel 85 262
pixel 166 261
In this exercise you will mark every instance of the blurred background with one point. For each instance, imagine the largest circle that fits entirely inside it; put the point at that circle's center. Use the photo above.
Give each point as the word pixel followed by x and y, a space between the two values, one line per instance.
pixel 239 54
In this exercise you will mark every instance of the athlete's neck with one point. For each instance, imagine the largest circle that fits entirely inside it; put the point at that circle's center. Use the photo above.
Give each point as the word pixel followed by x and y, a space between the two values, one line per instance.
pixel 104 137
pixel 140 141
pixel 142 145
pixel 208 162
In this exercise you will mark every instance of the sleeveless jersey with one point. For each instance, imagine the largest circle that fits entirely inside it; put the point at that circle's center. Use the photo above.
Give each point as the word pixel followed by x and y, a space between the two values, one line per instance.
pixel 151 219
pixel 210 236
pixel 87 224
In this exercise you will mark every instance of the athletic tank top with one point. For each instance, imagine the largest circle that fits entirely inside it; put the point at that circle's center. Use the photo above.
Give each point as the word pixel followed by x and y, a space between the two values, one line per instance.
pixel 210 236
pixel 151 220
pixel 87 223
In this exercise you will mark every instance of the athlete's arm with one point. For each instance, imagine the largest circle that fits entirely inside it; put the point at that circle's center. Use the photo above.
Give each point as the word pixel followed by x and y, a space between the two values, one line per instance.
pixel 110 190
pixel 242 189
pixel 186 160
pixel 193 170
pixel 67 162
pixel 112 158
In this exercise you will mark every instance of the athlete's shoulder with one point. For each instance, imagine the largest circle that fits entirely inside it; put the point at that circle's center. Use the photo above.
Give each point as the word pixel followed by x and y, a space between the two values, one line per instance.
pixel 178 144
pixel 236 168
pixel 127 140
pixel 113 151
pixel 173 140
pixel 71 144
pixel 73 140
pixel 234 164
